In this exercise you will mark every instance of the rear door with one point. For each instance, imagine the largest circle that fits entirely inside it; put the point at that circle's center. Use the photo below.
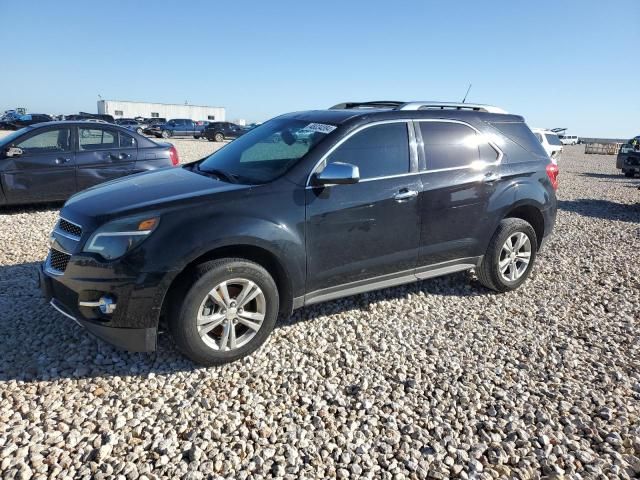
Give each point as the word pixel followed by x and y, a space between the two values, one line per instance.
pixel 369 229
pixel 46 169
pixel 462 172
pixel 103 154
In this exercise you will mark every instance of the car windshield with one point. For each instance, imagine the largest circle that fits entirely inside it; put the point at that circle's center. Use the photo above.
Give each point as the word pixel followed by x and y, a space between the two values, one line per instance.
pixel 268 151
pixel 13 135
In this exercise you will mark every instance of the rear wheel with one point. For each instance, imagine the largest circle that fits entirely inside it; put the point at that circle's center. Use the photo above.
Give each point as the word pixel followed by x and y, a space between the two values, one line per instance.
pixel 228 312
pixel 218 137
pixel 197 137
pixel 139 131
pixel 166 134
pixel 510 256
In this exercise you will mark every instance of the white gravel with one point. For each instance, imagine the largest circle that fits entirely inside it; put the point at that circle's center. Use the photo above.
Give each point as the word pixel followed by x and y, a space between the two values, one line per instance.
pixel 441 378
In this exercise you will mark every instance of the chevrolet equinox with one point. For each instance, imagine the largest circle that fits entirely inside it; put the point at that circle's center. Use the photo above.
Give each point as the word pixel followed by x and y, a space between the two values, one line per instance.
pixel 307 207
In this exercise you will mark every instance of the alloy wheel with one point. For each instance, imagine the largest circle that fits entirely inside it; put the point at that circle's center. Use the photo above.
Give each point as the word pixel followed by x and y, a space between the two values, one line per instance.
pixel 515 257
pixel 231 314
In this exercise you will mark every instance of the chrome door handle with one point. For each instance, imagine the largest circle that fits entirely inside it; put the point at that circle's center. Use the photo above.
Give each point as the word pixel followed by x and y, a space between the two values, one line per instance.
pixel 405 195
pixel 491 177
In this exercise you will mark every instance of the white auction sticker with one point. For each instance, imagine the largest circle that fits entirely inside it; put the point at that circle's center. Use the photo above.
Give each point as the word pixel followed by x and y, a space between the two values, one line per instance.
pixel 320 127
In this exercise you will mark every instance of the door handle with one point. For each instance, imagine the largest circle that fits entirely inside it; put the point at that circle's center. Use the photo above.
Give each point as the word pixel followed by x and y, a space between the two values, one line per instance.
pixel 405 195
pixel 62 160
pixel 491 177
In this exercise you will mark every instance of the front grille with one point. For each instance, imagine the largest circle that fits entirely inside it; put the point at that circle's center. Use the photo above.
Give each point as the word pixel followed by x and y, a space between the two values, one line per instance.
pixel 58 260
pixel 70 228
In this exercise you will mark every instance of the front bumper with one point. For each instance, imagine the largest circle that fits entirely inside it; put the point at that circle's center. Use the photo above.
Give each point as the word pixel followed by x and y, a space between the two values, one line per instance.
pixel 134 324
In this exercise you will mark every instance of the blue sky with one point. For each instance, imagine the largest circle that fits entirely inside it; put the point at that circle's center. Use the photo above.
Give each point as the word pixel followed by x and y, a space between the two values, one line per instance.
pixel 569 64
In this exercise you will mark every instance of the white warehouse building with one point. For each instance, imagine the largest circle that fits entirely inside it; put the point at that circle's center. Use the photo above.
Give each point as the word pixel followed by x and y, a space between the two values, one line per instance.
pixel 124 109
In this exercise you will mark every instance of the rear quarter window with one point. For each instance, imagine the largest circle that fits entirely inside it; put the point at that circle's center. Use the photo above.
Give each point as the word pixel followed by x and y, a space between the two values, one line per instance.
pixel 521 134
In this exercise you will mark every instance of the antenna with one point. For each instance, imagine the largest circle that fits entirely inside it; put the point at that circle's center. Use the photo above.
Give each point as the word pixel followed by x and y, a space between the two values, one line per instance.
pixel 465 95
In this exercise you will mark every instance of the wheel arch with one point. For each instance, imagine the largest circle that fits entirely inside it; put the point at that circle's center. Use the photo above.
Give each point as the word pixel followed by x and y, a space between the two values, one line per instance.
pixel 532 215
pixel 254 253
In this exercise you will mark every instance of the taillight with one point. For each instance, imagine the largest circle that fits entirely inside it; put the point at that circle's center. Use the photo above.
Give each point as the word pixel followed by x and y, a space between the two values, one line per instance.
pixel 173 155
pixel 552 173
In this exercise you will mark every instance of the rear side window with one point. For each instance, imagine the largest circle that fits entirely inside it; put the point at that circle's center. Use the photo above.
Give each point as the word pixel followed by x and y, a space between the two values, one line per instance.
pixel 522 135
pixel 378 151
pixel 97 139
pixel 454 145
pixel 127 141
pixel 552 139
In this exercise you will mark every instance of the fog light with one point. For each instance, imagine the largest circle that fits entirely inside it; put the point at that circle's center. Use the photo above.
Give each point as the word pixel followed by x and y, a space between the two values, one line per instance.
pixel 105 304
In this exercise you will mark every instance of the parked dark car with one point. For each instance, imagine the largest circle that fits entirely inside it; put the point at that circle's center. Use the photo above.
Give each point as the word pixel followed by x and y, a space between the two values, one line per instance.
pixel 178 127
pixel 376 197
pixel 18 121
pixel 152 126
pixel 221 131
pixel 131 124
pixel 628 159
pixel 90 116
pixel 52 161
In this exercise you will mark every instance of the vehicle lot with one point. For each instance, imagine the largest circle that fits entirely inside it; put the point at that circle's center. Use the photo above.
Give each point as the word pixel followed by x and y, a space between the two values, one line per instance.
pixel 441 377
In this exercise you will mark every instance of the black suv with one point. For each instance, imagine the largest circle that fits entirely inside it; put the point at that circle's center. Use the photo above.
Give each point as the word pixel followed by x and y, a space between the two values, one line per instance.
pixel 307 207
pixel 221 131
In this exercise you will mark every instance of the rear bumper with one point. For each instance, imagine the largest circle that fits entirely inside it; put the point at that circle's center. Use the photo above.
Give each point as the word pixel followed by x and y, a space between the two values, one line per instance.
pixel 139 338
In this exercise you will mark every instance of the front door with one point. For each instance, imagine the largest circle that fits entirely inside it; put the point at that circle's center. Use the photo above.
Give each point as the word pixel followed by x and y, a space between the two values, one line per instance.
pixel 103 154
pixel 462 173
pixel 45 171
pixel 370 229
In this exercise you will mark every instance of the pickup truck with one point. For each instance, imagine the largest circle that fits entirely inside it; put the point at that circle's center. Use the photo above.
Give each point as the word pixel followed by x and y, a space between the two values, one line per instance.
pixel 178 127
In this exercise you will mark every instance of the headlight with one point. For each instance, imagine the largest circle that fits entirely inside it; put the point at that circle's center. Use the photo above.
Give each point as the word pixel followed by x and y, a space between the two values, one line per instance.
pixel 116 238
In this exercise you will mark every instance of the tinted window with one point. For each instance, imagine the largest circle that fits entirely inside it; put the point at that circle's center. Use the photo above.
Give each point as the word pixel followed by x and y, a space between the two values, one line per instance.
pixel 552 139
pixel 127 141
pixel 452 145
pixel 377 151
pixel 51 141
pixel 97 139
pixel 522 135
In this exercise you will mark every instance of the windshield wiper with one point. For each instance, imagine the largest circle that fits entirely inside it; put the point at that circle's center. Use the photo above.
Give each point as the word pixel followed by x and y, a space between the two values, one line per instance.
pixel 221 174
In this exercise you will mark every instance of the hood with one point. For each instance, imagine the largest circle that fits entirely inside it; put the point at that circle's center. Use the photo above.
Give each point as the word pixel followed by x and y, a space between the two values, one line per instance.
pixel 148 190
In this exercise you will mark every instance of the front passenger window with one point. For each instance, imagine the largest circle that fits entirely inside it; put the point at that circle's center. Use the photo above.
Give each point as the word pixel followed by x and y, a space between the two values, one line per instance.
pixel 378 151
pixel 51 141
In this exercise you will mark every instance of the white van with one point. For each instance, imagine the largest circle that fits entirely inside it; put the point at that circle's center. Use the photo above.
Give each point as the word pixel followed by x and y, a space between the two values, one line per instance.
pixel 550 142
pixel 569 139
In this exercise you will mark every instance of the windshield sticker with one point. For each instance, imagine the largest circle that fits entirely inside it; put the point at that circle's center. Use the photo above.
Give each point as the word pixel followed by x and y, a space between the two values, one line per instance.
pixel 320 127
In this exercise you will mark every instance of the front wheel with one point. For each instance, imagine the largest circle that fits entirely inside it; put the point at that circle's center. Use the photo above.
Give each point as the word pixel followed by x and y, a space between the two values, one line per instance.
pixel 229 311
pixel 218 137
pixel 166 134
pixel 628 174
pixel 510 256
pixel 139 131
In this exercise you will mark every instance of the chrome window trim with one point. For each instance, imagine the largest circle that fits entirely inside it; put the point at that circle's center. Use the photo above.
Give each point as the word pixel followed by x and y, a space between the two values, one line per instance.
pixel 466 167
pixel 65 234
pixel 351 134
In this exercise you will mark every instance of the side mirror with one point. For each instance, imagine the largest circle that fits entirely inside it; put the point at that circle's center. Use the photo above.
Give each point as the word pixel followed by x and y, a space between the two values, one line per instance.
pixel 338 173
pixel 14 152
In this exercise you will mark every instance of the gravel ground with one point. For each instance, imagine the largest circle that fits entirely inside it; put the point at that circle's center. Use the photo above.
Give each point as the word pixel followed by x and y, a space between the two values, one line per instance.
pixel 437 379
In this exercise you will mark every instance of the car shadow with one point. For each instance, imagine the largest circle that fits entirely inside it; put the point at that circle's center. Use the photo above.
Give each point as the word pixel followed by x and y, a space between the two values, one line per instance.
pixel 614 176
pixel 40 344
pixel 38 207
pixel 604 209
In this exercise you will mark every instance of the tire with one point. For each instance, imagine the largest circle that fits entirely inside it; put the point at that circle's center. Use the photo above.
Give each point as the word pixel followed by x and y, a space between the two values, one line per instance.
pixel 218 137
pixel 489 272
pixel 629 174
pixel 139 131
pixel 204 347
pixel 166 134
pixel 197 137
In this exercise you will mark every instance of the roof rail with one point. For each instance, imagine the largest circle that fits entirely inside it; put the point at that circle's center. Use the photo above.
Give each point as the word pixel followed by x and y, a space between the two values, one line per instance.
pixel 375 104
pixel 450 105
